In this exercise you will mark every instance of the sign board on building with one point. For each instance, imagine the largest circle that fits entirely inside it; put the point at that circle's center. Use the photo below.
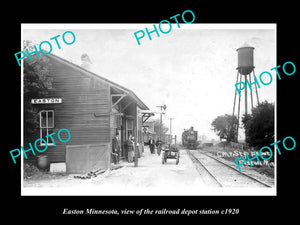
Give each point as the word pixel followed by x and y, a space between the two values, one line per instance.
pixel 145 129
pixel 148 126
pixel 46 100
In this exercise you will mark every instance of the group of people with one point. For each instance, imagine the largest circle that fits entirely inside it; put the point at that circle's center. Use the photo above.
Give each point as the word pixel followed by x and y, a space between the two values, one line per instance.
pixel 152 143
pixel 129 145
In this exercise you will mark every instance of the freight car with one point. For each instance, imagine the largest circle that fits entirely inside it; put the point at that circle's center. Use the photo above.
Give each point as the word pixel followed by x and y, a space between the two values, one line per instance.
pixel 190 138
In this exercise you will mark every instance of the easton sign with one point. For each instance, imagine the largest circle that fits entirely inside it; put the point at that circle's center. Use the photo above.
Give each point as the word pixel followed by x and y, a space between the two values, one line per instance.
pixel 46 100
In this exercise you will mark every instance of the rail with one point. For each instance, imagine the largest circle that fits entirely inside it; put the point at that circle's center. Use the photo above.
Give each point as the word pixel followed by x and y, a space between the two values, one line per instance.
pixel 200 163
pixel 247 175
pixel 194 158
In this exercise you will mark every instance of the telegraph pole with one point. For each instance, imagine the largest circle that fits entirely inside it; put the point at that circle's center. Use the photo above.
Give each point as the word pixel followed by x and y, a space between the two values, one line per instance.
pixel 171 125
pixel 162 110
pixel 160 126
pixel 135 133
pixel 171 130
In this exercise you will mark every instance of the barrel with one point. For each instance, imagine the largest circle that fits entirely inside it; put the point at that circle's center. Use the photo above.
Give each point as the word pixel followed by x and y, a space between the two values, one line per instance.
pixel 43 162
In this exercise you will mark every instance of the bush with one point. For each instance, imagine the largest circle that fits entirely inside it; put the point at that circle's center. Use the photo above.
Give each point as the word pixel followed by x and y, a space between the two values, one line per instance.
pixel 30 171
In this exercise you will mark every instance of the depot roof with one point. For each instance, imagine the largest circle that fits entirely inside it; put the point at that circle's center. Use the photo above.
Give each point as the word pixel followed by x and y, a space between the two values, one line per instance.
pixel 116 86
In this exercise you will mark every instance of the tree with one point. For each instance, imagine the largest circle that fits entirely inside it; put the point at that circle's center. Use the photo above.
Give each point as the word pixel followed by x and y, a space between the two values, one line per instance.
pixel 259 126
pixel 36 82
pixel 245 119
pixel 225 127
pixel 157 128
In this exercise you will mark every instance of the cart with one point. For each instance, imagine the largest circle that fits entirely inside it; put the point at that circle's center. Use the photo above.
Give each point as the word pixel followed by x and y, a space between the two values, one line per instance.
pixel 170 152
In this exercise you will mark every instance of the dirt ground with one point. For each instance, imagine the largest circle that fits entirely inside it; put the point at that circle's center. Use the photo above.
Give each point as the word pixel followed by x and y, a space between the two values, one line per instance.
pixel 151 177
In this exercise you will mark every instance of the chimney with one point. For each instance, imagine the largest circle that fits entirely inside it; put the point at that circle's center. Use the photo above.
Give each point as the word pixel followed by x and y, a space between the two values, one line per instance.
pixel 85 61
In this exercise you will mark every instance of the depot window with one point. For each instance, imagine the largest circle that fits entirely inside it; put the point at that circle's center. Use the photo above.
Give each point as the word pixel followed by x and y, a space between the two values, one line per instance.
pixel 129 127
pixel 46 125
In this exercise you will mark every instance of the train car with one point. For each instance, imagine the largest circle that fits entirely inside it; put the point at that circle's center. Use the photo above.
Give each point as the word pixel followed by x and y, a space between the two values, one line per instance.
pixel 190 138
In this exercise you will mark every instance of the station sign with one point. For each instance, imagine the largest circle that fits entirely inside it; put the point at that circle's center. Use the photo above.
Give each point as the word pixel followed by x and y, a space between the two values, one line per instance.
pixel 46 100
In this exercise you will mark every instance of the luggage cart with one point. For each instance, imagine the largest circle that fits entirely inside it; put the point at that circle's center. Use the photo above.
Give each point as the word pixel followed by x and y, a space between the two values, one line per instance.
pixel 170 152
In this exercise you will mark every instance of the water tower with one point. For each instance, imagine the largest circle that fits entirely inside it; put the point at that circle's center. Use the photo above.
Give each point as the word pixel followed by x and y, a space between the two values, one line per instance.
pixel 245 69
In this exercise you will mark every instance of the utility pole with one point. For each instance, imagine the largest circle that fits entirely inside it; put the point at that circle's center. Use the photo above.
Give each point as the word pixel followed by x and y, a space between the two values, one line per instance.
pixel 160 126
pixel 171 125
pixel 162 110
pixel 171 137
pixel 135 133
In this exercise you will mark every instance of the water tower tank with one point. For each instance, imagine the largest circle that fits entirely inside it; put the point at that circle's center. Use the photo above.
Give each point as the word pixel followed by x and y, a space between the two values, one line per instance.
pixel 245 59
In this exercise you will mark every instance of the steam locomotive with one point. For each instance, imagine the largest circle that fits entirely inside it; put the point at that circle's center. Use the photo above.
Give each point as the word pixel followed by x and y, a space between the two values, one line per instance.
pixel 190 138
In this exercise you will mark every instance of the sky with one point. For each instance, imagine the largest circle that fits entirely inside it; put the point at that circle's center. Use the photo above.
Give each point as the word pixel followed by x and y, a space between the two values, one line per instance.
pixel 192 69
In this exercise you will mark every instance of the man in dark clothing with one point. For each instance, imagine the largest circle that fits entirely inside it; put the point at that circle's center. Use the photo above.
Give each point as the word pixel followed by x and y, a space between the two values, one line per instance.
pixel 116 149
pixel 151 145
pixel 158 145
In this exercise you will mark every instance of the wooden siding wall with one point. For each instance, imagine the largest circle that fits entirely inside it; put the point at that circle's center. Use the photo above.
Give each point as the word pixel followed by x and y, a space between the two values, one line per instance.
pixel 82 95
pixel 93 157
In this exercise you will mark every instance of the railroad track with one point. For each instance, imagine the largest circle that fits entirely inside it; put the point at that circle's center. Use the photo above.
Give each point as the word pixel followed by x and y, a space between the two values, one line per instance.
pixel 216 173
pixel 206 175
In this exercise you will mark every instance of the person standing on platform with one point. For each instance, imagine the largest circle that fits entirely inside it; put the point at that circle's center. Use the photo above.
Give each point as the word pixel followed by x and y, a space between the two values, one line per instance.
pixel 151 145
pixel 130 147
pixel 116 148
pixel 158 145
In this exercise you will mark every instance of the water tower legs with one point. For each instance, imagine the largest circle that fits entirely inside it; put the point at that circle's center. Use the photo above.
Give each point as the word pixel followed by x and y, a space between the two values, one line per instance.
pixel 246 103
pixel 256 90
pixel 251 94
pixel 238 118
pixel 239 77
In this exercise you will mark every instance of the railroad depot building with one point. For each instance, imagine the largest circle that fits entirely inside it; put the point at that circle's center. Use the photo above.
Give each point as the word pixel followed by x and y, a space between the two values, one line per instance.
pixel 93 109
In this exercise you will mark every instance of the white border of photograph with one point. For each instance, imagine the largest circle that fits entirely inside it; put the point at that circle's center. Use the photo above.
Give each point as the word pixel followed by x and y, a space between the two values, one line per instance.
pixel 86 190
